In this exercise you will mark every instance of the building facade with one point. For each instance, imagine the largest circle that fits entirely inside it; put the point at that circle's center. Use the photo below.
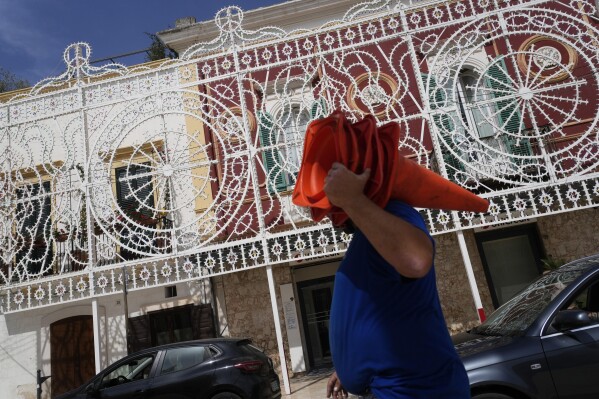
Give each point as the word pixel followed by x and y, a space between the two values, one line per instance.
pixel 151 204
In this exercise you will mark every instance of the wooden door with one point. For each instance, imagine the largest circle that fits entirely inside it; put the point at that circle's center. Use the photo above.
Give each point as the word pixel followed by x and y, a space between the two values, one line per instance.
pixel 72 353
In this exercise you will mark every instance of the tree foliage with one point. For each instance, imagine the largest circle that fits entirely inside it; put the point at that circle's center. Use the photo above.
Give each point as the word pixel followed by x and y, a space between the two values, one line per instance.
pixel 9 82
pixel 157 49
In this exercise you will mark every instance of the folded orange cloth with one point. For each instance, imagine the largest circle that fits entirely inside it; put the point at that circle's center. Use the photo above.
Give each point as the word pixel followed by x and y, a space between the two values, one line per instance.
pixel 361 146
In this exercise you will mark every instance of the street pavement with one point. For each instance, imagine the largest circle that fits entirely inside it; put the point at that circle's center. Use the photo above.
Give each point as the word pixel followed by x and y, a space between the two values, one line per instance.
pixel 313 385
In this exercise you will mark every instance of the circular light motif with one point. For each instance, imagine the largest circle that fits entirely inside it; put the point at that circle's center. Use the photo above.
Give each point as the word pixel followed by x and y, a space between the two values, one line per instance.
pixel 18 298
pixel 81 286
pixel 210 262
pixel 39 294
pixel 102 281
pixel 548 57
pixel 254 253
pixel 188 266
pixel 144 274
pixel 166 270
pixel 60 290
pixel 277 249
pixel 232 257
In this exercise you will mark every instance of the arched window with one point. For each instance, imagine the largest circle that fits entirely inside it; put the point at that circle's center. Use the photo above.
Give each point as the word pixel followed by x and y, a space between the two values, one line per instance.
pixel 294 122
pixel 282 137
pixel 477 118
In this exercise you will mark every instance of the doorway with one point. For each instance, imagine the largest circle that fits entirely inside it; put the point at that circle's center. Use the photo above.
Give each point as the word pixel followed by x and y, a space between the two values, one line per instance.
pixel 511 259
pixel 71 353
pixel 315 303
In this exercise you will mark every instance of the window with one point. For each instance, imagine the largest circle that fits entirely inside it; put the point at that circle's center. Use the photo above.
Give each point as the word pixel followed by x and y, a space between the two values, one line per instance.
pixel 587 300
pixel 473 116
pixel 181 323
pixel 507 275
pixel 508 114
pixel 133 370
pixel 34 227
pixel 135 196
pixel 445 124
pixel 282 137
pixel 178 359
pixel 170 291
pixel 171 326
pixel 294 122
pixel 484 111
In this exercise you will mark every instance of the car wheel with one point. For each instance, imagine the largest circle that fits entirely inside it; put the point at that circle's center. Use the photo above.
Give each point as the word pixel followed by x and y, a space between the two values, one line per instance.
pixel 226 395
pixel 491 395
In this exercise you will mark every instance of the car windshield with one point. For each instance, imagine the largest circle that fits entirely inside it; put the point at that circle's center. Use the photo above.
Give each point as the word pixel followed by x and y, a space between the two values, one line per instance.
pixel 516 315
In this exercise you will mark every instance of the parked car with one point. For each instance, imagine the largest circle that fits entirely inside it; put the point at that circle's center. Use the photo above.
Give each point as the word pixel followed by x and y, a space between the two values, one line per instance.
pixel 543 343
pixel 204 369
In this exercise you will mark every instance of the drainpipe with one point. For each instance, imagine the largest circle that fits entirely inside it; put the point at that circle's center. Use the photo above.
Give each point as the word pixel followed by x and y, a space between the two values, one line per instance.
pixel 96 327
pixel 471 279
pixel 126 309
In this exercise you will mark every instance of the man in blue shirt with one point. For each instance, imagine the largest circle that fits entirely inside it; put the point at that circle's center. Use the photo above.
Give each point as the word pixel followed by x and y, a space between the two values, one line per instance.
pixel 387 331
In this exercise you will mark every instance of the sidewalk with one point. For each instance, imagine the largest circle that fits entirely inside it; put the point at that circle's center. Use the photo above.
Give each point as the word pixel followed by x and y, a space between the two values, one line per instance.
pixel 311 386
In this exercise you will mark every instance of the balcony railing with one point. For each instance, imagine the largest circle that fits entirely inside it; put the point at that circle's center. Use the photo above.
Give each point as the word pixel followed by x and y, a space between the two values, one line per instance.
pixel 67 253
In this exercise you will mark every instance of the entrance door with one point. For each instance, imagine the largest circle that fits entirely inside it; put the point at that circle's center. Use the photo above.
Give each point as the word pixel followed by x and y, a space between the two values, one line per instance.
pixel 315 302
pixel 72 353
pixel 511 258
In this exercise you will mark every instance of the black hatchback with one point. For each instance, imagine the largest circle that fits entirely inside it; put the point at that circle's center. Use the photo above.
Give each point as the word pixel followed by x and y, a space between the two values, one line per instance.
pixel 205 369
pixel 543 343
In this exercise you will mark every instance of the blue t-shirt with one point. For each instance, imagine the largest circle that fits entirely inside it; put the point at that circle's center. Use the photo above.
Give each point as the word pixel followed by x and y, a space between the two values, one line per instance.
pixel 387 332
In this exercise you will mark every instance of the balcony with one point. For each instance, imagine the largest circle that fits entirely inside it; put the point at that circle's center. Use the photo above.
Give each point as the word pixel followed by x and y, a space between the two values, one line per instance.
pixel 67 252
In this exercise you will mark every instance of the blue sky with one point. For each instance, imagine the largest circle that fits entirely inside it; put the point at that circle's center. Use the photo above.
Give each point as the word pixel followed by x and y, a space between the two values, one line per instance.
pixel 35 33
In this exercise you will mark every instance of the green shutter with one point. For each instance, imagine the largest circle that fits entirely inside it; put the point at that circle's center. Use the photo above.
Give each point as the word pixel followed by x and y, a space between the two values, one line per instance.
pixel 518 147
pixel 508 113
pixel 445 126
pixel 498 81
pixel 319 108
pixel 275 179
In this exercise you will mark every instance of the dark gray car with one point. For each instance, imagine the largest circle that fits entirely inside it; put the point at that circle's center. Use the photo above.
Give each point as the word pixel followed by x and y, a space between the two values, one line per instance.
pixel 543 343
pixel 217 368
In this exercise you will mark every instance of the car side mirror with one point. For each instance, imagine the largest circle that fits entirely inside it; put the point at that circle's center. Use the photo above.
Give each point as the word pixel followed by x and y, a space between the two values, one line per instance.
pixel 571 318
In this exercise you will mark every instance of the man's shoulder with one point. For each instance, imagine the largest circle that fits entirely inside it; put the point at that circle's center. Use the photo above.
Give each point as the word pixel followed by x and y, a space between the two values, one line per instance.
pixel 403 210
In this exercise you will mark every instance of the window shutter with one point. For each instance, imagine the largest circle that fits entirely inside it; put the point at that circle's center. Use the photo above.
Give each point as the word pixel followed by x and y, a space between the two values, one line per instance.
pixel 38 221
pixel 46 208
pixel 141 185
pixel 509 114
pixel 445 125
pixel 139 334
pixel 202 322
pixel 123 191
pixel 498 81
pixel 35 227
pixel 275 179
pixel 144 191
pixel 319 108
pixel 520 147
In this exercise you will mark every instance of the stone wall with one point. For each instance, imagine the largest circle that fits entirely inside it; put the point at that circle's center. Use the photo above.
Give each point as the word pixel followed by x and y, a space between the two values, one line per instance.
pixel 572 235
pixel 249 309
pixel 452 282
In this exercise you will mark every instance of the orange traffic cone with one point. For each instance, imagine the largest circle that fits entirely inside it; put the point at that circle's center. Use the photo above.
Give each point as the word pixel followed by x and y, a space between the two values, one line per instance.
pixel 361 146
pixel 423 188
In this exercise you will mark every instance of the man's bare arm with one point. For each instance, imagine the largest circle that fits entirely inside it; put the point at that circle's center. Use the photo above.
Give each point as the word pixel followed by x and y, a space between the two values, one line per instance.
pixel 407 248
